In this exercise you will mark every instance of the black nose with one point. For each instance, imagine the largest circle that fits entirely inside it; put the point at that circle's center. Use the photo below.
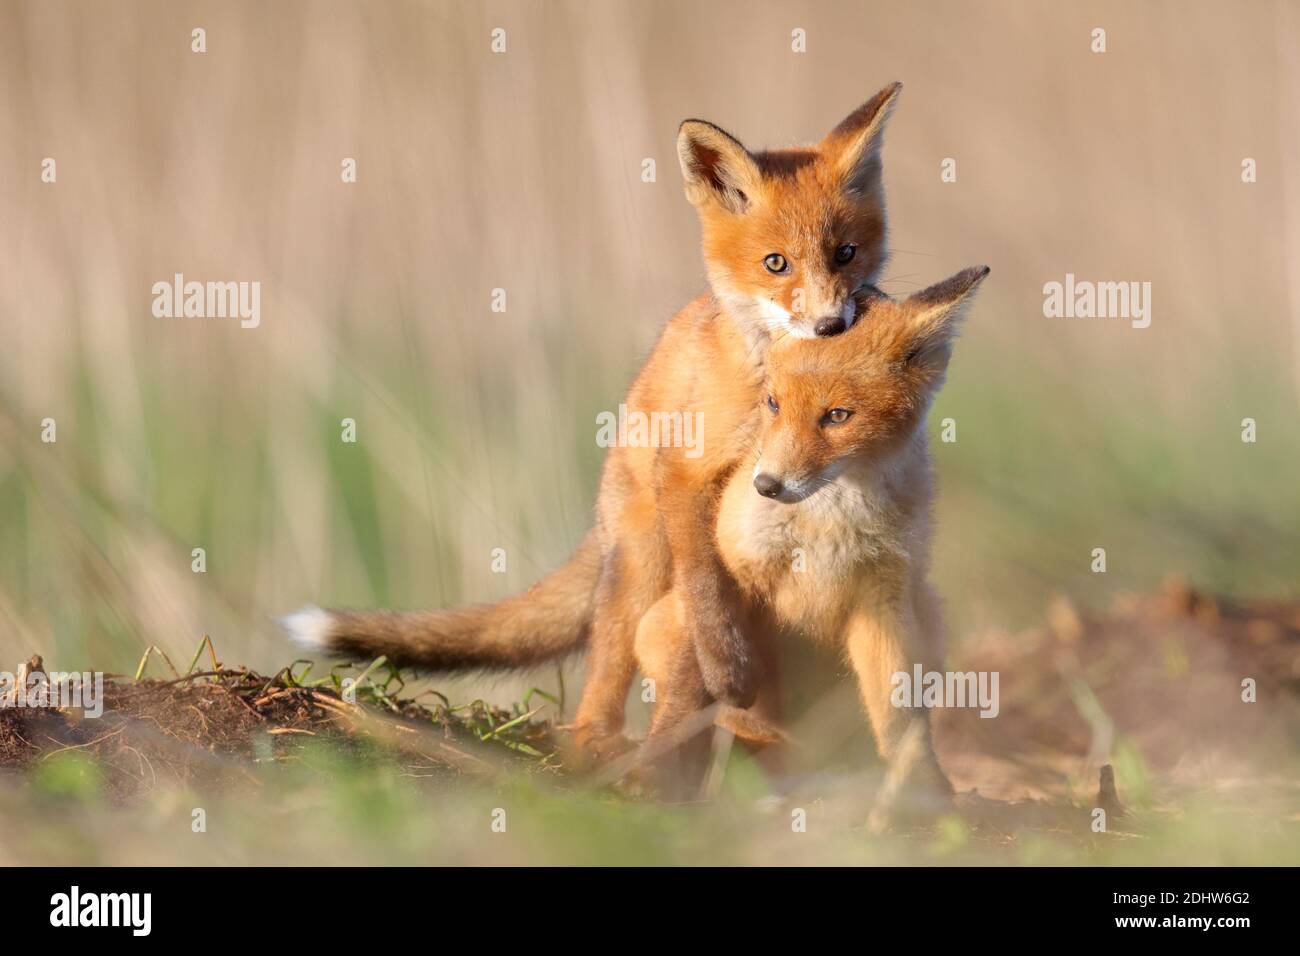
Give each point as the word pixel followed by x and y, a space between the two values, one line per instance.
pixel 833 325
pixel 766 485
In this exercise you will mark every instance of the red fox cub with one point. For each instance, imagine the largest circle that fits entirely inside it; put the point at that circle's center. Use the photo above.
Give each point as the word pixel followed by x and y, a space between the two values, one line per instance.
pixel 826 529
pixel 791 238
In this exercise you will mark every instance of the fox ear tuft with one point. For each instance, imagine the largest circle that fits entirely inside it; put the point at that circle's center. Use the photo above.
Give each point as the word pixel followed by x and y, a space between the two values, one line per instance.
pixel 716 167
pixel 936 312
pixel 855 143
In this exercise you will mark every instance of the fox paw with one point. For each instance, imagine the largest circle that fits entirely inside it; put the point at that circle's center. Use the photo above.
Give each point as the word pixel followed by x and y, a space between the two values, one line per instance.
pixel 590 746
pixel 917 802
pixel 895 817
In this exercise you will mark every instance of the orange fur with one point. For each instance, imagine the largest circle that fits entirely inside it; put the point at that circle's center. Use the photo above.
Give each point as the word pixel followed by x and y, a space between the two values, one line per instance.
pixel 836 546
pixel 656 507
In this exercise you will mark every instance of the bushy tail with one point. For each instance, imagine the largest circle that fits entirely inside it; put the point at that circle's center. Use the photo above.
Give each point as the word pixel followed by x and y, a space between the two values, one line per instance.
pixel 548 620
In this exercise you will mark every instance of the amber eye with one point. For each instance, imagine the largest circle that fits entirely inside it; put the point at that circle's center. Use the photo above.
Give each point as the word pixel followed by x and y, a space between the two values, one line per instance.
pixel 776 263
pixel 838 416
pixel 771 403
pixel 844 254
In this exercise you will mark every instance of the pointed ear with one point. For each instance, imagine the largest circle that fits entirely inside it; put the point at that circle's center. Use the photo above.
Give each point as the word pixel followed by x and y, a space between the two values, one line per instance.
pixel 934 314
pixel 716 167
pixel 855 143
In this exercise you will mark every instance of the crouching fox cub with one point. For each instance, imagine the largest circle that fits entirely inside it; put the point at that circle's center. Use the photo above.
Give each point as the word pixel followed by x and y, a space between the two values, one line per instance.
pixel 827 530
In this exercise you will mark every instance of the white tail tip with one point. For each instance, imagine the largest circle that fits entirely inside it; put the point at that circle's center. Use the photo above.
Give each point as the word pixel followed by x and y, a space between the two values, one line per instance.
pixel 309 627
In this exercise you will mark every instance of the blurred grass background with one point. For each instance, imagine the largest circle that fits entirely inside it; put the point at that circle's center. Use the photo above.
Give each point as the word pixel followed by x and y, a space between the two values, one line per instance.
pixel 522 171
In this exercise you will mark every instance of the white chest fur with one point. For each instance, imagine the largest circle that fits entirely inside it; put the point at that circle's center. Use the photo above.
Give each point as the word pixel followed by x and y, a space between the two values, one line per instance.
pixel 810 560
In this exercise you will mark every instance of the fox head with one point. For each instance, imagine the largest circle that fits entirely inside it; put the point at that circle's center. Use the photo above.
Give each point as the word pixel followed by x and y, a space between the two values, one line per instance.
pixel 791 234
pixel 858 397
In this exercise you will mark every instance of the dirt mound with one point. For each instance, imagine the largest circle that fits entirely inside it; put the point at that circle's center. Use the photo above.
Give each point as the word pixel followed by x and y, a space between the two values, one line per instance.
pixel 1155 685
pixel 209 727
pixel 1164 682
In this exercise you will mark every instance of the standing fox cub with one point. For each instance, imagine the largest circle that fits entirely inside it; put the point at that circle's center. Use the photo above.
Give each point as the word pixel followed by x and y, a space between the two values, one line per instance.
pixel 792 239
pixel 826 529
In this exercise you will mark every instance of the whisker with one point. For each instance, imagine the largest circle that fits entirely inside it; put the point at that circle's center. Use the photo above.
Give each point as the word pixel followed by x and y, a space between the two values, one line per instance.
pixel 841 490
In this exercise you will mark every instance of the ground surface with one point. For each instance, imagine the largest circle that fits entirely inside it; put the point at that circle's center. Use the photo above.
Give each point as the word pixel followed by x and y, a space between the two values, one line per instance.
pixel 349 766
